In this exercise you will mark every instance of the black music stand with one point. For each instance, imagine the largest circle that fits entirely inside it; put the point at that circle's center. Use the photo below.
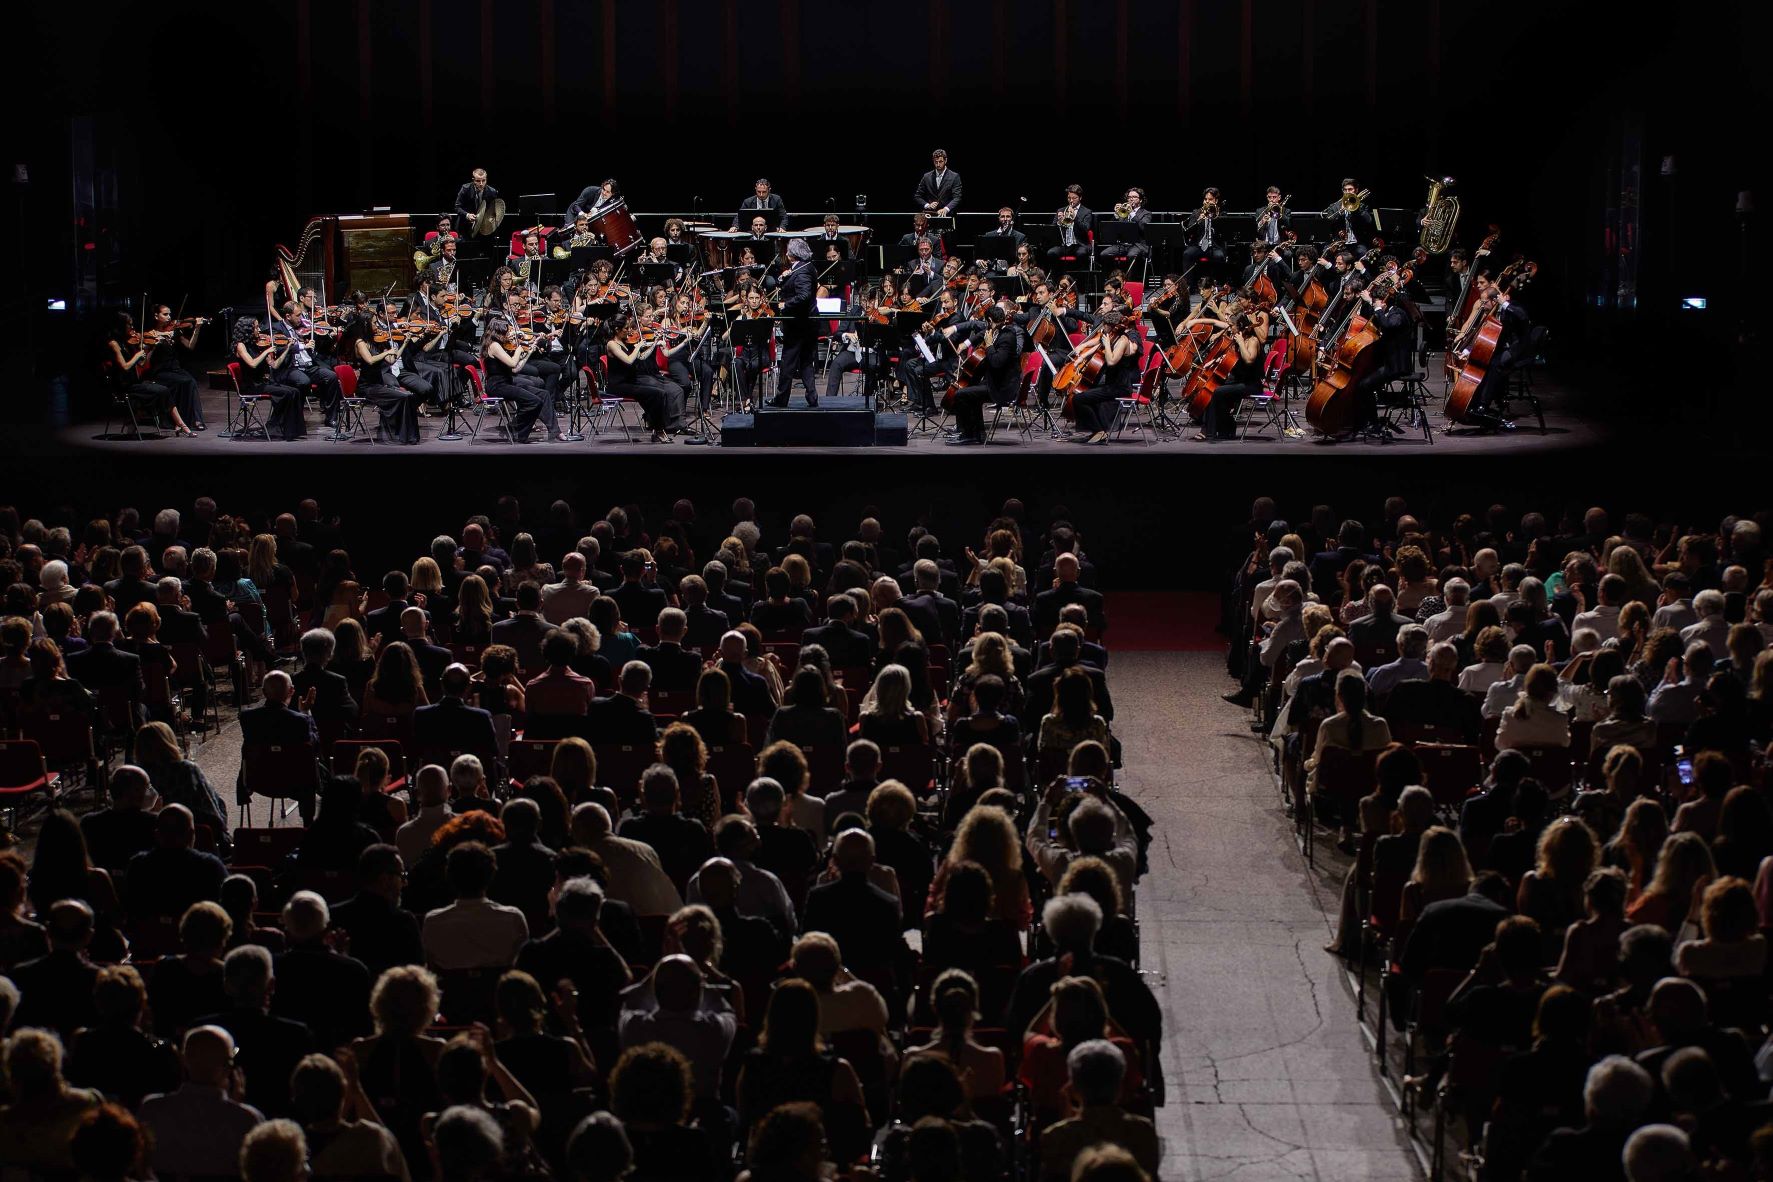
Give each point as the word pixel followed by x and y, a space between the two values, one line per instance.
pixel 754 332
pixel 842 273
pixel 907 324
pixel 772 218
pixel 999 248
pixel 881 340
pixel 1164 239
pixel 538 206
pixel 663 274
pixel 681 253
pixel 1115 232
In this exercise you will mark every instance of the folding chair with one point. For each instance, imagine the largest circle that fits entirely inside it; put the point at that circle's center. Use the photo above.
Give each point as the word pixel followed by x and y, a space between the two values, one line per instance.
pixel 1450 771
pixel 484 402
pixel 1343 777
pixel 914 767
pixel 346 751
pixel 824 768
pixel 348 423
pixel 529 757
pixel 24 773
pixel 265 847
pixel 278 771
pixel 66 737
pixel 248 403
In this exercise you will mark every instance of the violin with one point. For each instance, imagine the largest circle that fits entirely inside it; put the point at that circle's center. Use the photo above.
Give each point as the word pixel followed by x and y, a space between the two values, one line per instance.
pixel 268 340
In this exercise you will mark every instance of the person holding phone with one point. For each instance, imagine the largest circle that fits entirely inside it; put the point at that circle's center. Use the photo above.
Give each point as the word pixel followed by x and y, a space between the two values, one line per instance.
pixel 1076 819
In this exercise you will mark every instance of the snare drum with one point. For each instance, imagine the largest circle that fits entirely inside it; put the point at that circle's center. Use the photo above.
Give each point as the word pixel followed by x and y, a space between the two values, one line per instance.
pixel 616 226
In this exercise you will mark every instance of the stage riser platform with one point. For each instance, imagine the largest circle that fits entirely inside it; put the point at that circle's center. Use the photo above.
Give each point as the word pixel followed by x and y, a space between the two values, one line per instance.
pixel 835 422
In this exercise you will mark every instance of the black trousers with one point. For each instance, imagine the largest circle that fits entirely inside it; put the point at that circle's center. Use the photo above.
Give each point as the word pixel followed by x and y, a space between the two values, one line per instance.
pixel 525 393
pixel 868 362
pixel 1210 260
pixel 799 349
pixel 969 410
pixel 1221 418
pixel 1366 393
pixel 323 380
pixel 184 392
pixel 1095 407
pixel 748 373
pixel 915 372
pixel 659 400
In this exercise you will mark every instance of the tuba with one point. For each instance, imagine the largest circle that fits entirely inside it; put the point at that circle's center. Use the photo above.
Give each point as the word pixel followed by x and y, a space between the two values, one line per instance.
pixel 1441 218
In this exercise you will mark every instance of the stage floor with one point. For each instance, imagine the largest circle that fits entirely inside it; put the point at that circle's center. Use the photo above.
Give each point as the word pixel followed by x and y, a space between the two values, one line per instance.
pixel 1564 429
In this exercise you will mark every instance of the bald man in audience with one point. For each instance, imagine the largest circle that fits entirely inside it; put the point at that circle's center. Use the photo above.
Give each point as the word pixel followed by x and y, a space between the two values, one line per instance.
pixel 198 1128
pixel 279 722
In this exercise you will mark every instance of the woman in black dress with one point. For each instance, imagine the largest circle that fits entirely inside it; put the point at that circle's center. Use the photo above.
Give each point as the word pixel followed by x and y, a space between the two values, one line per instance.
pixel 164 367
pixel 128 356
pixel 1250 338
pixel 633 374
pixel 1095 407
pixel 257 363
pixel 378 380
pixel 503 364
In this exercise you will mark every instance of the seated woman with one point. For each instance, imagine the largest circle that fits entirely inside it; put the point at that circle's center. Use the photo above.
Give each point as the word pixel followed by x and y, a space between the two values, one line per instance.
pixel 495 686
pixel 902 644
pixel 617 643
pixel 805 719
pixel 846 1003
pixel 780 610
pixel 1551 893
pixel 474 613
pixel 1671 900
pixel 652 1090
pixel 260 360
pixel 963 933
pixel 1732 947
pixel 682 750
pixel 1074 719
pixel 1591 947
pixel 1076 1013
pixel 142 627
pixel 955 1000
pixel 1118 936
pixel 126 369
pixel 589 661
pixel 1351 728
pixel 397 689
pixel 1536 719
pixel 177 780
pixel 991 658
pixel 987 837
pixel 891 811
pixel 335 839
pixel 930 1086
pixel 988 722
pixel 889 718
pixel 351 657
pixel 714 717
pixel 1442 872
pixel 791 1062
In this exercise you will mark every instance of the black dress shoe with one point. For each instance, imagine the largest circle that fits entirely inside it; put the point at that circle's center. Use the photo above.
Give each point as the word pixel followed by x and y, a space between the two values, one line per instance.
pixel 1239 698
pixel 781 405
pixel 812 403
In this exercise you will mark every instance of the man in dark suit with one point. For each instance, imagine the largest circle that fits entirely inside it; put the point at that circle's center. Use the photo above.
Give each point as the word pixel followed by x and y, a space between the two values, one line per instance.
pixel 56 989
pixel 1066 589
pixel 928 603
pixel 1451 933
pixel 133 586
pixel 294 553
pixel 623 717
pixel 433 659
pixel 324 990
pixel 102 665
pixel 1088 651
pixel 734 604
pixel 640 601
pixel 681 842
pixel 847 647
pixel 862 918
pixel 212 607
pixel 451 725
pixel 269 1047
pixel 385 621
pixel 765 199
pixel 1000 242
pixel 177 625
pixel 277 723
pixel 703 625
pixel 1326 565
pixel 1064 648
pixel 938 190
pixel 332 700
pixel 524 631
pixel 675 668
pixel 751 694
pixel 1375 634
pixel 1064 541
pixel 800 332
pixel 167 879
pixel 1135 217
pixel 803 540
pixel 382 934
pixel 1438 701
pixel 993 588
pixel 117 834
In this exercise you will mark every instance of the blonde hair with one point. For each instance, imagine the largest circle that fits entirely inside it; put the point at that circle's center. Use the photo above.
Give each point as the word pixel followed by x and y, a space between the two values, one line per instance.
pixel 987 836
pixel 891 805
pixel 405 1000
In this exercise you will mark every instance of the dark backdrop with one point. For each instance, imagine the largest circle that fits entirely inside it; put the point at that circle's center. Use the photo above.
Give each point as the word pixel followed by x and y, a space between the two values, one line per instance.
pixel 167 146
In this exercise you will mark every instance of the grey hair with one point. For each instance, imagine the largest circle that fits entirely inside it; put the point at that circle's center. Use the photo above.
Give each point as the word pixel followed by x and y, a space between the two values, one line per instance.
pixel 469 1142
pixel 1412 641
pixel 1457 591
pixel 579 899
pixel 799 251
pixel 318 645
pixel 1522 657
pixel 1617 1091
pixel 306 915
pixel 764 798
pixel 1709 602
pixel 1658 1153
pixel 54 575
pixel 1097 1067
pixel 166 521
pixel 1071 920
pixel 1444 655
pixel 246 972
pixel 466 773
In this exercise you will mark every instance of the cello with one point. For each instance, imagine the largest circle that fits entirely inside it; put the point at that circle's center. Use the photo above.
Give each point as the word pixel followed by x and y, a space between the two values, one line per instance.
pixel 1332 406
pixel 1484 343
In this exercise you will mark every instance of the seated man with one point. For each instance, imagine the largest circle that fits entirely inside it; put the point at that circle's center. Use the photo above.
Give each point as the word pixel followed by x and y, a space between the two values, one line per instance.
pixel 674 668
pixel 1096 1068
pixel 622 717
pixel 682 1015
pixel 332 693
pixel 117 834
pixel 472 932
pixel 451 724
pixel 276 722
pixel 525 629
pixel 165 881
pixel 1437 701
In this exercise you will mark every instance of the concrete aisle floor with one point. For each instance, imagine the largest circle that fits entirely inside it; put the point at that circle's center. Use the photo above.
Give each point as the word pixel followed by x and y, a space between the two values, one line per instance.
pixel 1268 1075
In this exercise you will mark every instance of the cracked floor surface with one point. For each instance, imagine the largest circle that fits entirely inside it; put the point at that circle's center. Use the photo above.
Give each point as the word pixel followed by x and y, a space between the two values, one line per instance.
pixel 1268 1075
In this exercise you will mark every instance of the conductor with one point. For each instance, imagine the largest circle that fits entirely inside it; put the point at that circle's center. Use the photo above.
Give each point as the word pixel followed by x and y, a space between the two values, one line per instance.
pixel 800 333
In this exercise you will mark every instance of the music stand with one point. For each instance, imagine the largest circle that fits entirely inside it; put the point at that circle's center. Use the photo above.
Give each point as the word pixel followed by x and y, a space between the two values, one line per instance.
pixel 999 248
pixel 842 273
pixel 754 332
pixel 681 253
pixel 538 205
pixel 662 274
pixel 907 323
pixel 1163 238
pixel 772 218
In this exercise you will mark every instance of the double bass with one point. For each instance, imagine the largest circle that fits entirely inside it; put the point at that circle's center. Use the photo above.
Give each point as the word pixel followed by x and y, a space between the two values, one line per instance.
pixel 1332 406
pixel 1484 344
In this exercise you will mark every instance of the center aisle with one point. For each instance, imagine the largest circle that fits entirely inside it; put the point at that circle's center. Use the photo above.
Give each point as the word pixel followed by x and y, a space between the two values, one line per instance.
pixel 1267 1074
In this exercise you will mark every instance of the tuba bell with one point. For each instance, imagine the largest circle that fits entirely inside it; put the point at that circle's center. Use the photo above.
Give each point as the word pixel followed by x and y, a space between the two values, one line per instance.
pixel 1442 216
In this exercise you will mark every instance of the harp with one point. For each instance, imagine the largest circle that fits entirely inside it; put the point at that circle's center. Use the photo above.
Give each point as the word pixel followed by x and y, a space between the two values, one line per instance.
pixel 290 264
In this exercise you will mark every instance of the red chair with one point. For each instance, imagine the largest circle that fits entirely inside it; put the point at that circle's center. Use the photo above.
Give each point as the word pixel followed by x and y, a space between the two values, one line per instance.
pixel 1551 767
pixel 1450 771
pixel 346 751
pixel 529 757
pixel 220 652
pixel 674 703
pixel 249 406
pixel 466 654
pixel 65 736
pixel 914 767
pixel 484 402
pixel 1343 777
pixel 265 847
pixel 732 768
pixel 619 767
pixel 277 771
pixel 824 769
pixel 397 727
pixel 23 773
pixel 349 422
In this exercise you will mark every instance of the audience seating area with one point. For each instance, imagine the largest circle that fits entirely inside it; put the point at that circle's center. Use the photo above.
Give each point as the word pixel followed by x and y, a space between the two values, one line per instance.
pixel 1539 742
pixel 647 849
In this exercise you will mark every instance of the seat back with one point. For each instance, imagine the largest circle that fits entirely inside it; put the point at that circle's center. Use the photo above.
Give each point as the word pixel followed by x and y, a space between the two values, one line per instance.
pixel 530 757
pixel 1551 767
pixel 732 768
pixel 468 995
pixel 22 767
pixel 347 376
pixel 914 767
pixel 1345 776
pixel 1450 771
pixel 278 769
pixel 824 769
pixel 64 733
pixel 346 751
pixel 619 767
pixel 265 847
pixel 674 703
pixel 234 369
